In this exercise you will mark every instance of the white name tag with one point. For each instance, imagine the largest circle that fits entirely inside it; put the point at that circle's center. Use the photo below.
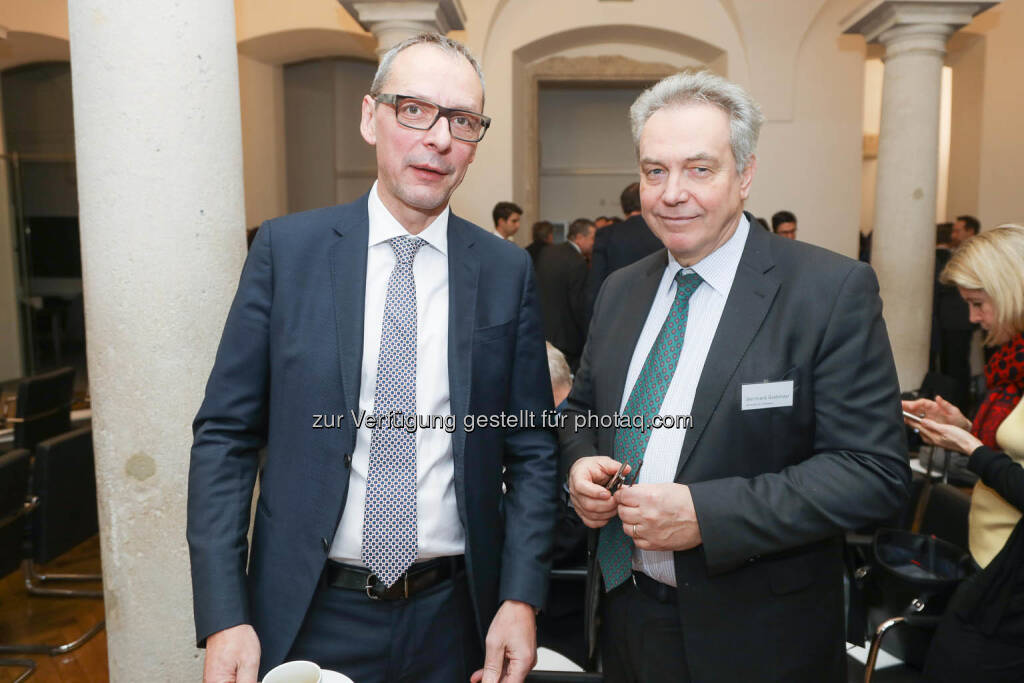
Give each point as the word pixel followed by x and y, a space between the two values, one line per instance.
pixel 766 395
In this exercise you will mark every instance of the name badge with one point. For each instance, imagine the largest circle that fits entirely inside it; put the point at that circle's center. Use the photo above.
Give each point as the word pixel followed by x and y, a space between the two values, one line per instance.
pixel 766 395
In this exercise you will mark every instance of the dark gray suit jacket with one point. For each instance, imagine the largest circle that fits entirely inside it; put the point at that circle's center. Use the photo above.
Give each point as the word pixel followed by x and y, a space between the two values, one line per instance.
pixel 773 489
pixel 562 281
pixel 291 349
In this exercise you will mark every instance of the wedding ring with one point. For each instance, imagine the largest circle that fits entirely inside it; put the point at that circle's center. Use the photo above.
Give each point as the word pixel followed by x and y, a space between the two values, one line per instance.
pixel 634 531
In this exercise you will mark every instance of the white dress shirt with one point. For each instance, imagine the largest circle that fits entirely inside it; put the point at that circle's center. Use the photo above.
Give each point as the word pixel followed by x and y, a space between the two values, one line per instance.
pixel 439 531
pixel 661 458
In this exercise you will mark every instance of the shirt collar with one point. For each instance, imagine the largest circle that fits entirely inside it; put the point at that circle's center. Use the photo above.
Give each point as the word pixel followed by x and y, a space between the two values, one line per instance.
pixel 580 251
pixel 384 226
pixel 718 268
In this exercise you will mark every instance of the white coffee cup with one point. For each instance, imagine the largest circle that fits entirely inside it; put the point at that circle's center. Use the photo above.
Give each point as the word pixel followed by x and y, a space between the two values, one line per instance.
pixel 294 672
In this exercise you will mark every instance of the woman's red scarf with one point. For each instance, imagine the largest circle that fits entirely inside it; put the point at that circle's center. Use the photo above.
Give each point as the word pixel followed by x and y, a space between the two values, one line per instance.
pixel 1004 375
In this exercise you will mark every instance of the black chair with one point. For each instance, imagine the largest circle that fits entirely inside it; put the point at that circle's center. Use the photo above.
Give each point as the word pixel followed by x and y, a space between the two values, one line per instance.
pixel 909 609
pixel 14 508
pixel 64 481
pixel 43 408
pixel 945 514
pixel 63 514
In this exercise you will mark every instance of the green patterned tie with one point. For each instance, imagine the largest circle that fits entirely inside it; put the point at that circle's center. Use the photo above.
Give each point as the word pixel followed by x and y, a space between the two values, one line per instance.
pixel 614 547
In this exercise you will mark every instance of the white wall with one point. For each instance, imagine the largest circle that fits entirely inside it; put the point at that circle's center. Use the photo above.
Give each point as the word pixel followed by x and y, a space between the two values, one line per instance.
pixel 811 163
pixel 1002 137
pixel 967 61
pixel 261 95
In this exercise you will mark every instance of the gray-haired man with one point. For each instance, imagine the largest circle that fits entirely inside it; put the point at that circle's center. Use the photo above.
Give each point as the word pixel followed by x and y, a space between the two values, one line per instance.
pixel 724 562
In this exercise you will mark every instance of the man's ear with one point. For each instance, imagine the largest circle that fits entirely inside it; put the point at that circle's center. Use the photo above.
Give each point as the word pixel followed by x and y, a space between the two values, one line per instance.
pixel 747 177
pixel 367 122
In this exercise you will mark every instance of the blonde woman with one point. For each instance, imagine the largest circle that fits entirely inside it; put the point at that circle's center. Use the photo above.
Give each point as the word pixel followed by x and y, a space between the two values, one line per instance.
pixel 982 634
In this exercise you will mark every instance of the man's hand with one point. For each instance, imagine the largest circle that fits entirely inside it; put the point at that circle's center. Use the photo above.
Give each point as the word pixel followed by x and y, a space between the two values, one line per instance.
pixel 232 656
pixel 659 516
pixel 939 410
pixel 587 478
pixel 511 645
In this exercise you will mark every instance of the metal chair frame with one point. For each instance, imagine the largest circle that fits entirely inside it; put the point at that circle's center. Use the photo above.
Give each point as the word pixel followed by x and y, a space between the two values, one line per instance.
pixel 34 581
pixel 925 622
pixel 30 504
pixel 27 664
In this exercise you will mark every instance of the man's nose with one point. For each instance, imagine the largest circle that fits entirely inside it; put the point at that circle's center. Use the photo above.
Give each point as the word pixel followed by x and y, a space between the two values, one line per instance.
pixel 676 189
pixel 440 134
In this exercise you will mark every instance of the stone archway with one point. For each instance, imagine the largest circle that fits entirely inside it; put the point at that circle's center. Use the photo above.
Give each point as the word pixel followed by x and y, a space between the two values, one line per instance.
pixel 540 62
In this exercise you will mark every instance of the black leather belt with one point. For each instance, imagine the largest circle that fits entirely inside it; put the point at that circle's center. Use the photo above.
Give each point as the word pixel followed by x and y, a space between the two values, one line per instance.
pixel 656 590
pixel 420 577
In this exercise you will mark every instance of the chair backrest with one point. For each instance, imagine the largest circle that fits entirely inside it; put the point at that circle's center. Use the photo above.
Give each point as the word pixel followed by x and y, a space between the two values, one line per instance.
pixel 44 407
pixel 14 477
pixel 945 514
pixel 64 479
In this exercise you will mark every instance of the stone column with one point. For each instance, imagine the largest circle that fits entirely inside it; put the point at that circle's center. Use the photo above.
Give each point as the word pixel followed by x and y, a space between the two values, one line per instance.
pixel 392 22
pixel 159 157
pixel 903 244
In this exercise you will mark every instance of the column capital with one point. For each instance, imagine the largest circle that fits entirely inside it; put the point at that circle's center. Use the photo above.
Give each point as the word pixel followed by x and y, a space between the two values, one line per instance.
pixel 392 21
pixel 884 21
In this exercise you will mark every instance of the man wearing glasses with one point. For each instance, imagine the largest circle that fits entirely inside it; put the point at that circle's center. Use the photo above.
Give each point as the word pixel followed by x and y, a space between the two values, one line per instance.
pixel 386 552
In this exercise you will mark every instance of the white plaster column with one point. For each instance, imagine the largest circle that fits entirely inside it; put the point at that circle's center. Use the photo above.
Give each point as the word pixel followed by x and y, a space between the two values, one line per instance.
pixel 392 22
pixel 159 159
pixel 914 34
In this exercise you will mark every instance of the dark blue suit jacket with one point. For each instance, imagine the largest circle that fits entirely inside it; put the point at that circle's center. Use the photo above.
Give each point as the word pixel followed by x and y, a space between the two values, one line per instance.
pixel 292 349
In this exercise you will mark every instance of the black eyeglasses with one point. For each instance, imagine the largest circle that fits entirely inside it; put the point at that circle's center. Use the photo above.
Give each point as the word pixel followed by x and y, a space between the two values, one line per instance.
pixel 413 112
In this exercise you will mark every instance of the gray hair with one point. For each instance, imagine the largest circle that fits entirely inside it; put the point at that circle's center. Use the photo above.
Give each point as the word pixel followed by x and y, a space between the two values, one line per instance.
pixel 558 367
pixel 745 117
pixel 451 47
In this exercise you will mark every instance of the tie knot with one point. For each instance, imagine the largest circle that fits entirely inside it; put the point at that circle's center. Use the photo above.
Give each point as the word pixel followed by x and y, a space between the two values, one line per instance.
pixel 406 247
pixel 687 283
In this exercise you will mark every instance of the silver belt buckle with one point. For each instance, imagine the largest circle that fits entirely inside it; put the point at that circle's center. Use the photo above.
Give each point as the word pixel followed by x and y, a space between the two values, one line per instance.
pixel 371 583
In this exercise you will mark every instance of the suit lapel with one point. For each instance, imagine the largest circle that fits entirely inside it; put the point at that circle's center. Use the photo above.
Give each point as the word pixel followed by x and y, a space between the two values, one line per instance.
pixel 750 298
pixel 631 321
pixel 348 282
pixel 463 274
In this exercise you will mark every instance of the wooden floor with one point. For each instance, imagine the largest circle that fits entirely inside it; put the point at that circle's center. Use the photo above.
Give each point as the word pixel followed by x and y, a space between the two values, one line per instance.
pixel 36 619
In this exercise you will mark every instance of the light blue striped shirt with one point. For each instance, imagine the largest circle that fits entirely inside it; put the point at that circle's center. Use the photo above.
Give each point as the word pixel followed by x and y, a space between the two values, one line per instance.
pixel 661 459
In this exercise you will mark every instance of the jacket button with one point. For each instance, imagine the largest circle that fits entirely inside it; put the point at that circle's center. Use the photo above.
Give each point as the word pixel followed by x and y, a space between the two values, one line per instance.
pixel 326 545
pixel 348 460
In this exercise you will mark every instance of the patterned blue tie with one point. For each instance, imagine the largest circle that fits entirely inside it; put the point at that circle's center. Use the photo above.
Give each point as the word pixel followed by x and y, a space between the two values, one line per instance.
pixel 389 515
pixel 614 547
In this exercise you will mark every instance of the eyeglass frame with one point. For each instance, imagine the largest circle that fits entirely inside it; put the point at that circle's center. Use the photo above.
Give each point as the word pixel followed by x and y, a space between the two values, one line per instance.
pixel 395 100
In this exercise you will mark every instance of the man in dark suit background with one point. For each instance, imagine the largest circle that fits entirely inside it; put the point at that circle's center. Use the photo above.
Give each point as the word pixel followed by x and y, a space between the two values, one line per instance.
pixel 724 563
pixel 543 233
pixel 383 552
pixel 619 244
pixel 562 282
pixel 952 318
